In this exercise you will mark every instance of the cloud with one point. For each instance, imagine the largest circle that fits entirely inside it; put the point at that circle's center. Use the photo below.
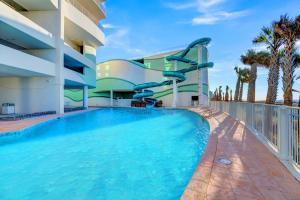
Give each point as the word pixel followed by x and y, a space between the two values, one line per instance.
pixel 109 26
pixel 206 5
pixel 201 5
pixel 211 11
pixel 208 19
pixel 262 47
pixel 181 6
pixel 120 40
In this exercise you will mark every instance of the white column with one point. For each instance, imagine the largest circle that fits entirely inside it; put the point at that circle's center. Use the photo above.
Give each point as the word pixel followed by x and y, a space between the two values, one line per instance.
pixel 111 98
pixel 85 97
pixel 58 94
pixel 203 77
pixel 175 92
pixel 200 76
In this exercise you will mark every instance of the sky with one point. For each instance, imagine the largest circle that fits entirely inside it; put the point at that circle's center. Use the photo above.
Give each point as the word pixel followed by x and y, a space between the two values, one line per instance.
pixel 136 28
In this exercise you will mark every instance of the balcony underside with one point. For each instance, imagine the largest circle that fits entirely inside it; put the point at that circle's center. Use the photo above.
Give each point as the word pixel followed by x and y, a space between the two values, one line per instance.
pixel 8 71
pixel 20 38
pixel 38 5
pixel 18 63
pixel 72 58
pixel 21 31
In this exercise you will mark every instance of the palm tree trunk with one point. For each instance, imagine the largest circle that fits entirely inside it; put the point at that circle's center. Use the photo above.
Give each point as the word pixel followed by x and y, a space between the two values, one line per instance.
pixel 273 78
pixel 241 91
pixel 288 73
pixel 252 81
pixel 237 89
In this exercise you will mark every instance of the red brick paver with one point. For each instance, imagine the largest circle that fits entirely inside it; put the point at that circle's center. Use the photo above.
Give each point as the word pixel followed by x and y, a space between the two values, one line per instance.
pixel 255 173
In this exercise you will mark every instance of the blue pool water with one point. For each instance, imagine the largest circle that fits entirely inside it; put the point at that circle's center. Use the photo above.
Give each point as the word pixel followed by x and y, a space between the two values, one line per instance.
pixel 104 154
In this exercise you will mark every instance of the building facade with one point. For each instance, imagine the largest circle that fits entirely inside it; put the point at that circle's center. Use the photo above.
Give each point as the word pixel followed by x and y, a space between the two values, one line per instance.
pixel 47 46
pixel 116 80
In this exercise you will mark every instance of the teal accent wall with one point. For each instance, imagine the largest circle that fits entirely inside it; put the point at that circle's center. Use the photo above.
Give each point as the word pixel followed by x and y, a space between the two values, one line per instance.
pixel 90 76
pixel 76 95
pixel 103 87
pixel 161 63
pixel 111 83
pixel 91 57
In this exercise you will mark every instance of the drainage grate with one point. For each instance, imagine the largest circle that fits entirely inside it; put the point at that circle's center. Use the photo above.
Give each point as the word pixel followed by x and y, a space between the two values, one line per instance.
pixel 224 161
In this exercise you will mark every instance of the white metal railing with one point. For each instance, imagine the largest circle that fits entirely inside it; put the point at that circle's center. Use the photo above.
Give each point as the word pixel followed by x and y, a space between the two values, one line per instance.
pixel 277 126
pixel 294 133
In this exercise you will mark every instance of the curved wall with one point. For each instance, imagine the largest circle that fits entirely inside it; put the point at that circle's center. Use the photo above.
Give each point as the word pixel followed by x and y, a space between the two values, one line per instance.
pixel 122 75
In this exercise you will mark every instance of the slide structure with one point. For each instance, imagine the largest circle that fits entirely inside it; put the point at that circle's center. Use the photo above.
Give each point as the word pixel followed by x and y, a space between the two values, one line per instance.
pixel 177 76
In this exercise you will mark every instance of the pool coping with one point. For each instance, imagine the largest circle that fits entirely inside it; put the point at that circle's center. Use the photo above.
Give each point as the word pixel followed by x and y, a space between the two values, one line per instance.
pixel 255 173
pixel 26 124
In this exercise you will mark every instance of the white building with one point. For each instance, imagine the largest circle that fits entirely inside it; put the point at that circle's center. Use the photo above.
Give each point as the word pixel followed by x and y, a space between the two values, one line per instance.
pixel 47 46
pixel 117 78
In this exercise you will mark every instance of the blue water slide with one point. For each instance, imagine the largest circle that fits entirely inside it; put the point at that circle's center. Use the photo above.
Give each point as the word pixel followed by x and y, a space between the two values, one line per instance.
pixel 142 90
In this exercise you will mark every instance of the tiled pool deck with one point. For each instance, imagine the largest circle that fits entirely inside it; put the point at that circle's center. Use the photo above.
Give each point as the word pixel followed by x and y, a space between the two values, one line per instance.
pixel 254 174
pixel 11 126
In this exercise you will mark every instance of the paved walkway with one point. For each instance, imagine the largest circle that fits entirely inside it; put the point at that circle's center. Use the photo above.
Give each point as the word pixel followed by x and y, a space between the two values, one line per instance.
pixel 11 126
pixel 255 173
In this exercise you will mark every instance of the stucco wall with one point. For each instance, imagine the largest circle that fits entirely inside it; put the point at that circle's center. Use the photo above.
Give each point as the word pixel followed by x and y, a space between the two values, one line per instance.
pixel 28 94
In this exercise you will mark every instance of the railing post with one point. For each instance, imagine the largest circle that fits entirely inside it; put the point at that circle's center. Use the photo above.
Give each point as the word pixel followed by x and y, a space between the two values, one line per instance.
pixel 283 133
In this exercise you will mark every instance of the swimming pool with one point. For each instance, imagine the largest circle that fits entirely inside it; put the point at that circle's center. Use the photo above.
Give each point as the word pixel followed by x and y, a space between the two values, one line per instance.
pixel 111 153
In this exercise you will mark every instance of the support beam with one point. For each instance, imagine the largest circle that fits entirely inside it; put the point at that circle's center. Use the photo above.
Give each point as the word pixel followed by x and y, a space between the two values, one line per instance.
pixel 85 97
pixel 175 91
pixel 111 98
pixel 203 77
pixel 59 61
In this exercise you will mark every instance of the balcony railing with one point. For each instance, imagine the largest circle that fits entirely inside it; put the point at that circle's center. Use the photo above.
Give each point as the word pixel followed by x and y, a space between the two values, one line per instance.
pixel 278 127
pixel 85 11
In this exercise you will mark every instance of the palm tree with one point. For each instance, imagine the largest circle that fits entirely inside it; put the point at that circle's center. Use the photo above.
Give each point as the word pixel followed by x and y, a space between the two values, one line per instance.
pixel 289 30
pixel 220 93
pixel 230 95
pixel 273 41
pixel 254 59
pixel 245 77
pixel 238 83
pixel 227 93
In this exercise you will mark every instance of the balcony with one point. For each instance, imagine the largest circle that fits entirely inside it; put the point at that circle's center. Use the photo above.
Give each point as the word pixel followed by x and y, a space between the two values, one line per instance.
pixel 38 5
pixel 74 58
pixel 75 79
pixel 21 31
pixel 93 9
pixel 79 28
pixel 24 65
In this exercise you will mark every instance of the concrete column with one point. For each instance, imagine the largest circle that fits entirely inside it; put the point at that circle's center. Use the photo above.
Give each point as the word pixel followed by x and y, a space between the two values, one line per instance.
pixel 203 77
pixel 200 76
pixel 85 97
pixel 175 92
pixel 58 94
pixel 111 98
